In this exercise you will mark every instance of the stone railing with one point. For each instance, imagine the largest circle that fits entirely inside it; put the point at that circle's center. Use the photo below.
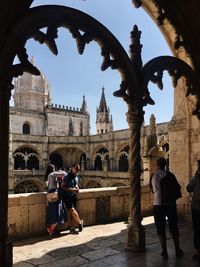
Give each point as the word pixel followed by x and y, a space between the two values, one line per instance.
pixel 27 212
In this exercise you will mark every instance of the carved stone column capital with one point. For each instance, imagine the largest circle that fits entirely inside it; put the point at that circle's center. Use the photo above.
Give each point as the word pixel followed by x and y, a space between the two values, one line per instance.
pixel 177 124
pixel 135 116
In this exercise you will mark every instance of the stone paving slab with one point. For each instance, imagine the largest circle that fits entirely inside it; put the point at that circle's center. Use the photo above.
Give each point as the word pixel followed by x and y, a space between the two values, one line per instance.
pixel 102 245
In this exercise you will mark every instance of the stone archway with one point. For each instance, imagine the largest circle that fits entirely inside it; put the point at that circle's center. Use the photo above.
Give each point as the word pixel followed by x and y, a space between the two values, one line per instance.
pixel 93 184
pixel 26 158
pixel 29 186
pixel 123 163
pixel 101 161
pixel 178 24
pixel 57 160
pixel 65 157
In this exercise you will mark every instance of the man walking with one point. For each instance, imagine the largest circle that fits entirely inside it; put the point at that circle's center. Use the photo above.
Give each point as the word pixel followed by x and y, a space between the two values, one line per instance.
pixel 163 210
pixel 70 192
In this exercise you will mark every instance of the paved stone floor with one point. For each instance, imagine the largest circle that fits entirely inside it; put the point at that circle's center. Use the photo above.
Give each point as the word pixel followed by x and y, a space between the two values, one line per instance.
pixel 101 245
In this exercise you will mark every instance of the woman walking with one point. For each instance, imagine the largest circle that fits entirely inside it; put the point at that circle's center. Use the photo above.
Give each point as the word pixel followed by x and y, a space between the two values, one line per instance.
pixel 56 212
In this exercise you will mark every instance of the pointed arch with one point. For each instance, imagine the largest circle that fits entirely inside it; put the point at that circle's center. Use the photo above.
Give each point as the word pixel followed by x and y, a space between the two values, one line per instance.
pixel 123 159
pixel 29 186
pixel 102 157
pixel 83 28
pixel 26 128
pixel 57 160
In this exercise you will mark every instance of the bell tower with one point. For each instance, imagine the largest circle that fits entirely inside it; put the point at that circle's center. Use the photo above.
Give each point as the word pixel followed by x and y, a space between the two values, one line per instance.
pixel 104 122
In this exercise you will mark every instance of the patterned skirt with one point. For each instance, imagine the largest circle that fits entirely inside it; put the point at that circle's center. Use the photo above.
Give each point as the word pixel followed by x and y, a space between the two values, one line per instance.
pixel 56 212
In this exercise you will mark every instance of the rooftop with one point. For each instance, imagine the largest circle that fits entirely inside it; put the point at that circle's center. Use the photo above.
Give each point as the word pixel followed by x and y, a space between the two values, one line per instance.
pixel 102 245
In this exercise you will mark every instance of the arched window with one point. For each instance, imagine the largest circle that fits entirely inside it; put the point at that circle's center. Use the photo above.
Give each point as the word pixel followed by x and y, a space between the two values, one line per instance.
pixel 93 184
pixel 123 159
pixel 26 187
pixel 98 163
pixel 19 162
pixel 26 158
pixel 123 162
pixel 71 128
pixel 26 128
pixel 33 162
pixel 56 160
pixel 102 155
pixel 82 160
pixel 81 128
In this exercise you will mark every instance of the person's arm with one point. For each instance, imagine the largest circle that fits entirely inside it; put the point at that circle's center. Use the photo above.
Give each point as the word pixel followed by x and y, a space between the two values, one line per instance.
pixel 58 173
pixel 47 182
pixel 76 189
pixel 154 183
pixel 77 186
pixel 190 186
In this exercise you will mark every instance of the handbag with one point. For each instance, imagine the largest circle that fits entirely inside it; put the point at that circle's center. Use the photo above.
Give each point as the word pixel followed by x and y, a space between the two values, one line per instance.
pixel 53 196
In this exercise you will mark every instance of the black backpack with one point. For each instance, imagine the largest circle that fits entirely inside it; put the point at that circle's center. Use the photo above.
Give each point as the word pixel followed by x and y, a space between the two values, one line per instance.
pixel 170 188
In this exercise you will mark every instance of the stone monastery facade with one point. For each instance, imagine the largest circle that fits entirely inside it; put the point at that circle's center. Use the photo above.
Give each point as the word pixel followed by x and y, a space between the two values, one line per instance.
pixel 43 133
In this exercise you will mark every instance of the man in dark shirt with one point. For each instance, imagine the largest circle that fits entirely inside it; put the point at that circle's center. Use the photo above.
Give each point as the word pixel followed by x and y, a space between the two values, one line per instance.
pixel 70 192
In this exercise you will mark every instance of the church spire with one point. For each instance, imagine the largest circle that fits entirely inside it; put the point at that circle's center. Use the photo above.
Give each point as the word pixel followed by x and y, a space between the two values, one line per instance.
pixel 103 118
pixel 84 105
pixel 102 104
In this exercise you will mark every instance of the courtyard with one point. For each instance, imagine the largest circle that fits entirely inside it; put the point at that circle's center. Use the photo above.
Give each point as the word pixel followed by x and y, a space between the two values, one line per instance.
pixel 102 245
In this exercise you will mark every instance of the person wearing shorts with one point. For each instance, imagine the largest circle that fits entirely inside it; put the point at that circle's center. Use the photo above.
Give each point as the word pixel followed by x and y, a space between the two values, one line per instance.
pixel 70 192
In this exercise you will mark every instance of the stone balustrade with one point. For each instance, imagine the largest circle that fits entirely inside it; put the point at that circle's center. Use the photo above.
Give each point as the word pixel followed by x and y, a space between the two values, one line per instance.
pixel 27 212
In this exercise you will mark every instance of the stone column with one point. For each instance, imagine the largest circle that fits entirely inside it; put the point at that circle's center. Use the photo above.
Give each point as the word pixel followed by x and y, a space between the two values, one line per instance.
pixel 105 165
pixel 5 245
pixel 135 232
pixel 82 165
pixel 111 165
pixel 88 166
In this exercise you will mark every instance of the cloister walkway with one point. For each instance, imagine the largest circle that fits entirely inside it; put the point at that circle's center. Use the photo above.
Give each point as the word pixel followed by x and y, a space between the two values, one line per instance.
pixel 102 245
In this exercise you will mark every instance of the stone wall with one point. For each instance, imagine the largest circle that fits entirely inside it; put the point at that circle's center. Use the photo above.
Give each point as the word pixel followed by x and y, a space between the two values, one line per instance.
pixel 27 212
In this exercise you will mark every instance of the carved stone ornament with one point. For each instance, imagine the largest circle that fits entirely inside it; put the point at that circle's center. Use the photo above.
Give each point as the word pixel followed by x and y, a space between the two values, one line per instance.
pixel 167 10
pixel 134 116
pixel 195 157
pixel 152 71
pixel 176 125
pixel 194 132
pixel 41 23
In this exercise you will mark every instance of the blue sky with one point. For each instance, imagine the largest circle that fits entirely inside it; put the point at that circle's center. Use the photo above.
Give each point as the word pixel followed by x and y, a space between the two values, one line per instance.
pixel 72 75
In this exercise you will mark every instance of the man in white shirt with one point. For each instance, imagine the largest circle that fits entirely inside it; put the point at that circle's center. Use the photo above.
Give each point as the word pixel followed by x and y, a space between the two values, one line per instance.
pixel 163 210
